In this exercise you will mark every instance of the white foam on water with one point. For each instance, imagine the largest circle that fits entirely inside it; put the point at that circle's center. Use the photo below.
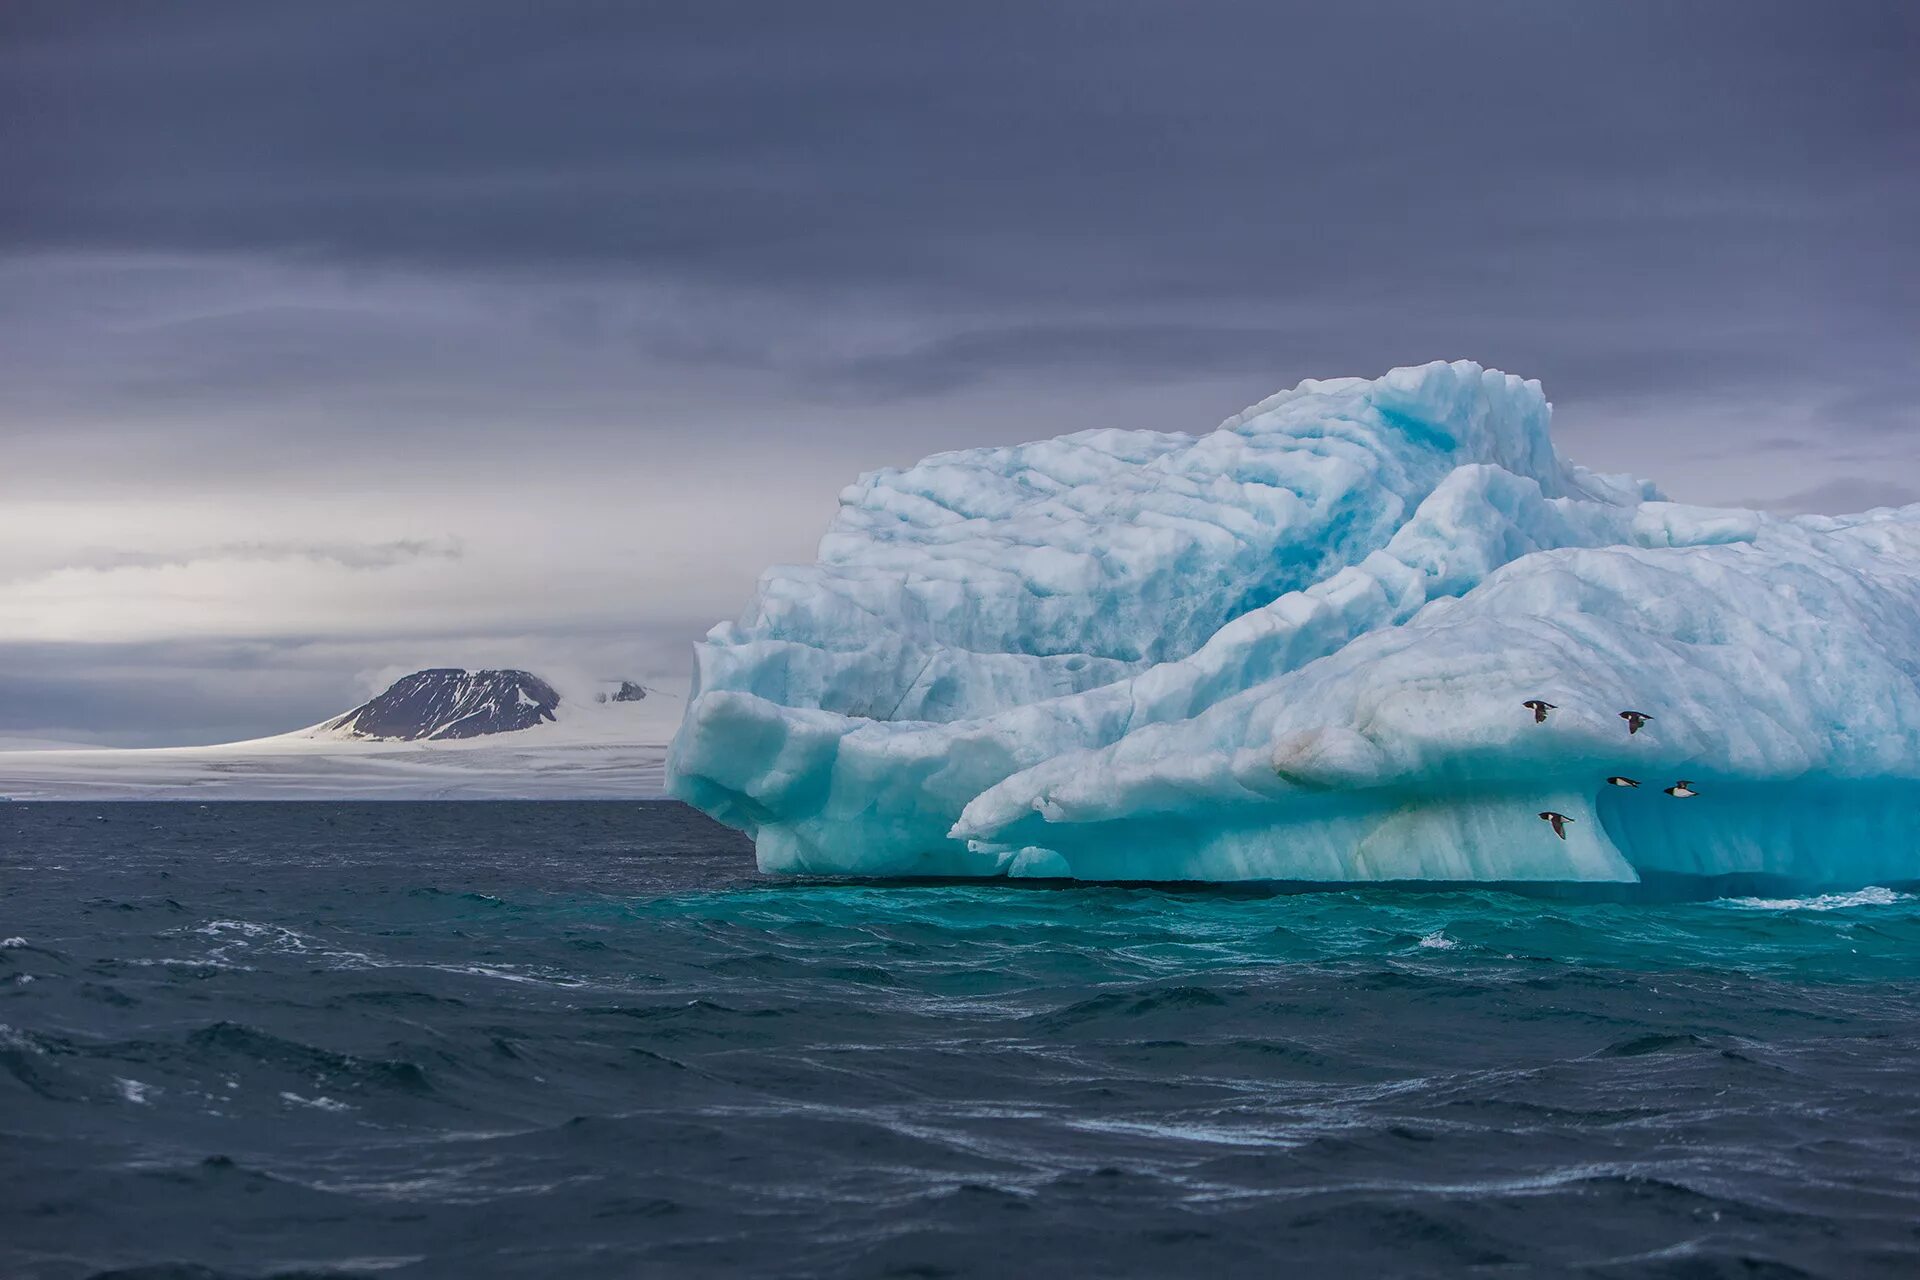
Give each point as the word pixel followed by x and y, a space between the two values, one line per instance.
pixel 12 1038
pixel 318 1104
pixel 1871 896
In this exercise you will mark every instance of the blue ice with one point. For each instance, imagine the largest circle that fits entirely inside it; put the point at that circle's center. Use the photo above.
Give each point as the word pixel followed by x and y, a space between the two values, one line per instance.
pixel 1295 648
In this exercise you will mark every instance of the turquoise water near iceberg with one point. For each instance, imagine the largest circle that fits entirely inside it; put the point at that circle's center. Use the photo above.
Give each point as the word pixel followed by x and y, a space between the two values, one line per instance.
pixel 587 1039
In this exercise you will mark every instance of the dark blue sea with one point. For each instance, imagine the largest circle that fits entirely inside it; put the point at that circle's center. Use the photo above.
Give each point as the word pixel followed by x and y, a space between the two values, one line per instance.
pixel 556 1040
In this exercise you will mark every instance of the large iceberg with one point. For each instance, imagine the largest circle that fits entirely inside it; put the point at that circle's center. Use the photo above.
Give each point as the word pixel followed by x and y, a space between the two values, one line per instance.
pixel 1297 647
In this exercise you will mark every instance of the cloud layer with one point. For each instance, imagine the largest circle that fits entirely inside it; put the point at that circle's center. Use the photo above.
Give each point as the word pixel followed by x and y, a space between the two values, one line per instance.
pixel 484 327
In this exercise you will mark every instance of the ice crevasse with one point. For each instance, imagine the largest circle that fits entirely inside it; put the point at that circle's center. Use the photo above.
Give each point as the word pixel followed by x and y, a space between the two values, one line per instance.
pixel 1296 648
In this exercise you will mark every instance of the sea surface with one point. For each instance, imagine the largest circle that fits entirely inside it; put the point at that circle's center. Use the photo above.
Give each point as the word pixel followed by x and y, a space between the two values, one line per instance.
pixel 582 1039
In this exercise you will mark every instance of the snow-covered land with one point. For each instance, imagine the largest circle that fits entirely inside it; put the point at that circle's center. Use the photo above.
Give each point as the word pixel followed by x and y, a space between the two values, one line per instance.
pixel 1297 647
pixel 427 747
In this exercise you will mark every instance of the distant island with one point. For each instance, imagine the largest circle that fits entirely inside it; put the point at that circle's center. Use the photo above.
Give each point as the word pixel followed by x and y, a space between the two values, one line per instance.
pixel 449 702
pixel 442 703
pixel 438 733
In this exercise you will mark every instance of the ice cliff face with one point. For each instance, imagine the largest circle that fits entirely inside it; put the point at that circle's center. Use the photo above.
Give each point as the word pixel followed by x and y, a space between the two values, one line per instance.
pixel 1296 648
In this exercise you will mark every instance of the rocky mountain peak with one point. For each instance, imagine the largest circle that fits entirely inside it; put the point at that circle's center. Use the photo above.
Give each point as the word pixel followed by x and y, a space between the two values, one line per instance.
pixel 450 702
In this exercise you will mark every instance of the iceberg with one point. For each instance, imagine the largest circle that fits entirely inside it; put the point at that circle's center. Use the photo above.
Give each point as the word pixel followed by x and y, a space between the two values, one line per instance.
pixel 1297 648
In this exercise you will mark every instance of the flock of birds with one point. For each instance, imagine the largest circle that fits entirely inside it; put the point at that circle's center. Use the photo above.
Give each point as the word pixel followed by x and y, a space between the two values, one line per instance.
pixel 1636 720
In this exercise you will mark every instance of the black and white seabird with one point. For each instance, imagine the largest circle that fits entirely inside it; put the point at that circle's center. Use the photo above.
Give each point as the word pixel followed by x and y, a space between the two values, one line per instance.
pixel 1559 822
pixel 1618 781
pixel 1634 719
pixel 1681 790
pixel 1539 709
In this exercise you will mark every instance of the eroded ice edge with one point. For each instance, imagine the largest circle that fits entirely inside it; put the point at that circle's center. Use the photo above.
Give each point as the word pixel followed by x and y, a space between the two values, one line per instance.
pixel 1296 648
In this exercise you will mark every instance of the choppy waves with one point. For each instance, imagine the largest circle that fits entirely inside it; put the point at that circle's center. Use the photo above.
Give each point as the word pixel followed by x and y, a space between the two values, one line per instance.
pixel 584 1040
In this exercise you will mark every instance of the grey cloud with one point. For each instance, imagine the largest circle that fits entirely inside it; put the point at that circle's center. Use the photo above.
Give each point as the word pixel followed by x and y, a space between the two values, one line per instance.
pixel 1090 348
pixel 1136 151
pixel 1842 496
pixel 161 694
pixel 1584 196
pixel 348 555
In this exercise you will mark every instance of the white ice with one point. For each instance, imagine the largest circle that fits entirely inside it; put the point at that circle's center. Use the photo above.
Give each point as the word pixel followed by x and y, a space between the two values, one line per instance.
pixel 1296 648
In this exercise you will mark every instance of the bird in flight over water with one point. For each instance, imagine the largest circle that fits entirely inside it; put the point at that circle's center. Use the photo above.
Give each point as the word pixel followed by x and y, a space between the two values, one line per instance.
pixel 1539 709
pixel 1635 720
pixel 1558 821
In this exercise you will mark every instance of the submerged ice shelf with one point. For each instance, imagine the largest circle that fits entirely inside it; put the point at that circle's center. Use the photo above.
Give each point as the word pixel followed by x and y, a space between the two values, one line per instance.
pixel 1296 647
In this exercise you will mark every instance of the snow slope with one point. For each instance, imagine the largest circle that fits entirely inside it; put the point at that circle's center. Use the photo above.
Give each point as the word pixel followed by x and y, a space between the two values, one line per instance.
pixel 1296 648
pixel 589 750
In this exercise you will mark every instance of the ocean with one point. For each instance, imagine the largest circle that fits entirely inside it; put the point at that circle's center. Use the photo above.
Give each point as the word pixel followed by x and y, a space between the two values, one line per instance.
pixel 587 1039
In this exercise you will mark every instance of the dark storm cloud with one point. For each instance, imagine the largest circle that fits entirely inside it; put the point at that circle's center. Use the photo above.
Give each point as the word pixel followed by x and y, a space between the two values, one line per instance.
pixel 1581 192
pixel 1169 147
pixel 1544 161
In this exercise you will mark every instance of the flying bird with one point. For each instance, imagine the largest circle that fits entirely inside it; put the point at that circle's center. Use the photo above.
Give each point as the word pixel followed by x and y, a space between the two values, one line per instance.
pixel 1634 719
pixel 1539 709
pixel 1618 781
pixel 1559 822
pixel 1681 790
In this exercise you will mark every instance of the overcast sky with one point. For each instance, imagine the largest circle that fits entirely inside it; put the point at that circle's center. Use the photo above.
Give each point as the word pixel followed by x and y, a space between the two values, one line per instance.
pixel 338 338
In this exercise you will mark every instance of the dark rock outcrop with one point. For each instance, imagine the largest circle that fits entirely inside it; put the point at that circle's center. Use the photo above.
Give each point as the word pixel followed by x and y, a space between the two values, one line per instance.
pixel 448 702
pixel 627 692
